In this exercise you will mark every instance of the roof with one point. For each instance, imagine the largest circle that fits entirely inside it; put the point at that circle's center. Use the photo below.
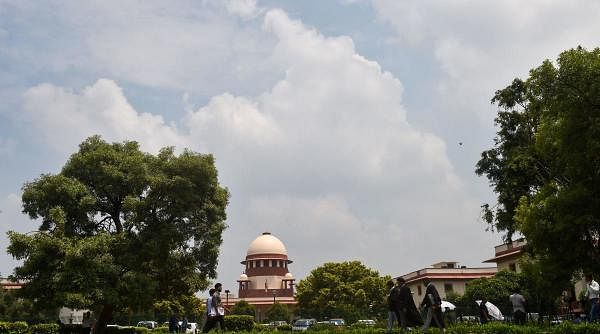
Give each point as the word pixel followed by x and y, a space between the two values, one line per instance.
pixel 266 244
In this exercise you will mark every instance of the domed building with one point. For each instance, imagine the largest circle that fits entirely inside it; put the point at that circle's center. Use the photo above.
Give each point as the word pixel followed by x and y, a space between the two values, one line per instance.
pixel 266 278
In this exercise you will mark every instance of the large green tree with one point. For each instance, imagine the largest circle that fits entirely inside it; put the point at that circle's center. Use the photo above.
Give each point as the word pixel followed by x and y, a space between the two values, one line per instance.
pixel 545 164
pixel 121 229
pixel 243 308
pixel 278 312
pixel 348 290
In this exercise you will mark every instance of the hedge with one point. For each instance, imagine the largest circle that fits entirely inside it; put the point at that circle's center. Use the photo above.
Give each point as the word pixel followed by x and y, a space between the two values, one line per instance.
pixel 19 327
pixel 239 323
pixel 44 329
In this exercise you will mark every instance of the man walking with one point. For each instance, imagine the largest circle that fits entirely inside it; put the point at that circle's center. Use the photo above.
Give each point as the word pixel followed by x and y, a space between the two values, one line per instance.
pixel 392 295
pixel 518 302
pixel 210 313
pixel 433 304
pixel 218 305
pixel 592 293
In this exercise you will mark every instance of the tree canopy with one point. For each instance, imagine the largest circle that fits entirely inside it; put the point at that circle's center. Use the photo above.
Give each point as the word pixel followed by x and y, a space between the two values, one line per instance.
pixel 121 228
pixel 545 163
pixel 243 308
pixel 346 290
pixel 278 312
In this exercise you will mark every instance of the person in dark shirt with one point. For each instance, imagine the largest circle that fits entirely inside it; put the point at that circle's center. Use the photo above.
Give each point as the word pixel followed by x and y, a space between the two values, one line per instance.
pixel 433 304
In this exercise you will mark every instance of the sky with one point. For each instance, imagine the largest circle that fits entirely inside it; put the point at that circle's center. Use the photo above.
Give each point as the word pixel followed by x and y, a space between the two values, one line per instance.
pixel 334 124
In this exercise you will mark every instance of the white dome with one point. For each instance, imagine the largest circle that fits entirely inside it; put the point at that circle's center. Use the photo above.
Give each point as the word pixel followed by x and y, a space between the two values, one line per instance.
pixel 266 244
pixel 243 277
pixel 289 276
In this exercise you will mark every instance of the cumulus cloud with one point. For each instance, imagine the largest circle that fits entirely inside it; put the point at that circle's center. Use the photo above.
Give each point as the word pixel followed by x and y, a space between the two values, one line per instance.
pixel 64 117
pixel 482 46
pixel 325 158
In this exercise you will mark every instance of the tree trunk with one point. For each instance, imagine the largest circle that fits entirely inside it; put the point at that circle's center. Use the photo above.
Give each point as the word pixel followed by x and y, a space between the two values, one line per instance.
pixel 103 318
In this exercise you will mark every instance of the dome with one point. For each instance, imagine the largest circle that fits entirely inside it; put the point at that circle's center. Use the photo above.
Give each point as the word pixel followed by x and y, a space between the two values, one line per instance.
pixel 266 244
pixel 289 276
pixel 243 277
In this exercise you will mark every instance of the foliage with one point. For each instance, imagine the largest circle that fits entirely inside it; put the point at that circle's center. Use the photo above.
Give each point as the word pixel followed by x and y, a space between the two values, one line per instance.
pixel 284 328
pixel 239 323
pixel 243 308
pixel 545 162
pixel 18 327
pixel 191 307
pixel 44 329
pixel 121 228
pixel 278 311
pixel 495 289
pixel 346 290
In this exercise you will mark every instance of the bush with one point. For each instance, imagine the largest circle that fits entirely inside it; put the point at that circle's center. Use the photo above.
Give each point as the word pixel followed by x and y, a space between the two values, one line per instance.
pixel 19 327
pixel 239 323
pixel 165 330
pixel 284 328
pixel 44 329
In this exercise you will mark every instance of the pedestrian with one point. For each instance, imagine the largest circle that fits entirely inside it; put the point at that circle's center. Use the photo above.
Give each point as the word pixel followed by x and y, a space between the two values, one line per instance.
pixel 219 310
pixel 409 315
pixel 392 295
pixel 210 312
pixel 184 324
pixel 173 324
pixel 218 304
pixel 484 316
pixel 592 293
pixel 433 304
pixel 518 303
pixel 86 323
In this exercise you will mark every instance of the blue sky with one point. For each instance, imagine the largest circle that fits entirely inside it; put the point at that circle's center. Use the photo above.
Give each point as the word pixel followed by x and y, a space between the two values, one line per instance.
pixel 335 124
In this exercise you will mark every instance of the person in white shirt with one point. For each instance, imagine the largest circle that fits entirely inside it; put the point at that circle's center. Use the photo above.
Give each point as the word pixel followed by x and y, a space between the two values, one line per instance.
pixel 211 312
pixel 518 302
pixel 592 293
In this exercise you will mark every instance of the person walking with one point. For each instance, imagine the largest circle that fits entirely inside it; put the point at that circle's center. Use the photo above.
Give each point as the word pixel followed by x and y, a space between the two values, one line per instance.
pixel 518 303
pixel 173 324
pixel 184 325
pixel 210 313
pixel 219 310
pixel 392 295
pixel 592 293
pixel 484 315
pixel 433 304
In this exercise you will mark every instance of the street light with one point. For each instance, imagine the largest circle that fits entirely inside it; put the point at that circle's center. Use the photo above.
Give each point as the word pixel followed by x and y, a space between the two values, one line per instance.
pixel 274 294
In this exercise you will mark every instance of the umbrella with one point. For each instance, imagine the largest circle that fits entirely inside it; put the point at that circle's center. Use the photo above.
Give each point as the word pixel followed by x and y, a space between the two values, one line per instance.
pixel 493 310
pixel 447 306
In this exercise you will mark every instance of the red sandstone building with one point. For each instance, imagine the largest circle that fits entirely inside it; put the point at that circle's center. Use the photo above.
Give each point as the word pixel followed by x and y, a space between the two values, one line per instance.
pixel 266 278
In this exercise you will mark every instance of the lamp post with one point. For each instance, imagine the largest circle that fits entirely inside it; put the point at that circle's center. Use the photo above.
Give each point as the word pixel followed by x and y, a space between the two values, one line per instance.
pixel 227 299
pixel 274 295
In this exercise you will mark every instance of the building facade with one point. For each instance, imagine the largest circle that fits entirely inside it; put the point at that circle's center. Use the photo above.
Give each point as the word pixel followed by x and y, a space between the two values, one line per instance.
pixel 266 278
pixel 506 256
pixel 447 277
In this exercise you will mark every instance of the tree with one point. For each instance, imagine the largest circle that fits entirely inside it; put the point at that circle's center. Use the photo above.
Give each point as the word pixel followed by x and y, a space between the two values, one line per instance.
pixel 346 290
pixel 495 289
pixel 120 228
pixel 277 312
pixel 243 308
pixel 545 164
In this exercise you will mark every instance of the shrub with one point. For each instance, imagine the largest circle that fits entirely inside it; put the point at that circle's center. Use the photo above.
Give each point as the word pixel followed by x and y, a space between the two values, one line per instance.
pixel 239 323
pixel 44 329
pixel 19 327
pixel 284 328
pixel 165 330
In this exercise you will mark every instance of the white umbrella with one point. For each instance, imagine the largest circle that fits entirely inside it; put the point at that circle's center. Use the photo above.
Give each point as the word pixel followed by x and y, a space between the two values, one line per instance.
pixel 493 311
pixel 447 306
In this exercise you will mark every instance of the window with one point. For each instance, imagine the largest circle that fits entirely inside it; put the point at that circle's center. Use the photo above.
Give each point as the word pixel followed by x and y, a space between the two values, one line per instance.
pixel 262 263
pixel 419 290
pixel 512 267
pixel 448 287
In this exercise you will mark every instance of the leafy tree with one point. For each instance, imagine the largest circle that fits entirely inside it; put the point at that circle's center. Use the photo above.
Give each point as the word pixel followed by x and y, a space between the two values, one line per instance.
pixel 13 308
pixel 243 308
pixel 277 312
pixel 120 228
pixel 346 290
pixel 545 163
pixel 495 289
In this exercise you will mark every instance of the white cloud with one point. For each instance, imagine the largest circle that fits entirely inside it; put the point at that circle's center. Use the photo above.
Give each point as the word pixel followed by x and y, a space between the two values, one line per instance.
pixel 482 46
pixel 243 8
pixel 64 118
pixel 326 156
pixel 7 147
